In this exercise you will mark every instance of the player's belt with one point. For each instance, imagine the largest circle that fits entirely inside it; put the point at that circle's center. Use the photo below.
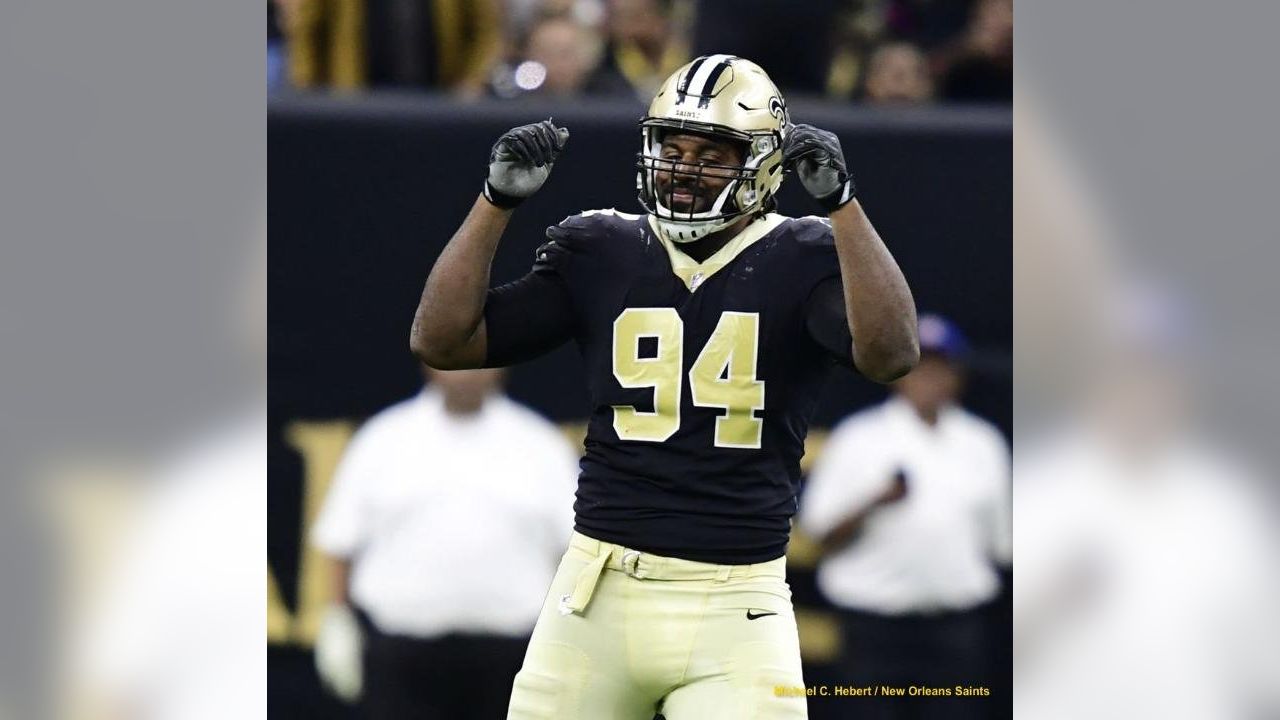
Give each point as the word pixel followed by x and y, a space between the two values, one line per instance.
pixel 647 566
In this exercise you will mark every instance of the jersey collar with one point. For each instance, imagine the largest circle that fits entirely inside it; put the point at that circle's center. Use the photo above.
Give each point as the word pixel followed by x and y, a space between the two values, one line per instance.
pixel 693 273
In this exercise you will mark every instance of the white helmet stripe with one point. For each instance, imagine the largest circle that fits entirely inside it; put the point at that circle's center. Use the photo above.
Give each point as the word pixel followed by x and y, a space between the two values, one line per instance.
pixel 710 86
pixel 682 87
pixel 699 75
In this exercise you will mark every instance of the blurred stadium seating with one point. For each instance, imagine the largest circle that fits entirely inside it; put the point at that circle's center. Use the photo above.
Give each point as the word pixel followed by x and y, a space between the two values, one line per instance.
pixel 944 50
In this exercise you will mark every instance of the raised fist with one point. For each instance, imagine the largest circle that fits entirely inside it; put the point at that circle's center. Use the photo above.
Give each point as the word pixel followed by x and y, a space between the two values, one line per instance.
pixel 815 157
pixel 521 161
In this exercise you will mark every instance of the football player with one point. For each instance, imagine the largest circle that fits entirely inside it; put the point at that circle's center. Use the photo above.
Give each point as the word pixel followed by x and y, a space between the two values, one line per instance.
pixel 707 326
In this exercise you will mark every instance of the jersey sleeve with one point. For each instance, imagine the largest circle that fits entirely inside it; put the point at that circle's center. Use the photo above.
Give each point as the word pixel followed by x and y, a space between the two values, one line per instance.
pixel 826 321
pixel 824 311
pixel 540 311
pixel 533 315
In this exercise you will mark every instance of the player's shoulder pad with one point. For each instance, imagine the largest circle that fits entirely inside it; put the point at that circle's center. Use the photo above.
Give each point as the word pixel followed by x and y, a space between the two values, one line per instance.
pixel 810 242
pixel 811 231
pixel 578 235
pixel 592 225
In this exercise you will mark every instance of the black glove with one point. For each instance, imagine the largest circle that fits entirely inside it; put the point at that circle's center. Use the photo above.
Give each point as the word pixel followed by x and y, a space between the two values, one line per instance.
pixel 521 161
pixel 815 157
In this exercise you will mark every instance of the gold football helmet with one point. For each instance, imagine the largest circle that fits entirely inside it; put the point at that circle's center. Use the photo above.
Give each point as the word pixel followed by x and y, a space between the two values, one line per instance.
pixel 724 97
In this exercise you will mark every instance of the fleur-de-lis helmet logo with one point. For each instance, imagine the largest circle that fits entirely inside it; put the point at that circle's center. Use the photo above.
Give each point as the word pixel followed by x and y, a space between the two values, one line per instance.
pixel 777 108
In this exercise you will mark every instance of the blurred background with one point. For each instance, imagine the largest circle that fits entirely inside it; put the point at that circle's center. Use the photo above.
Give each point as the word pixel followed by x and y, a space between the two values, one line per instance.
pixel 380 118
pixel 873 51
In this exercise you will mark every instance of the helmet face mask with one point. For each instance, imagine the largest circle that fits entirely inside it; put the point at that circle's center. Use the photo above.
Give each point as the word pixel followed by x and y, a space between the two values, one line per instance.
pixel 737 196
pixel 727 99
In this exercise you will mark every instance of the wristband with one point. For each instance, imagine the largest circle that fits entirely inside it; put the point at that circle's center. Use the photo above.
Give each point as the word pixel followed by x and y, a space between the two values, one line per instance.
pixel 839 198
pixel 500 199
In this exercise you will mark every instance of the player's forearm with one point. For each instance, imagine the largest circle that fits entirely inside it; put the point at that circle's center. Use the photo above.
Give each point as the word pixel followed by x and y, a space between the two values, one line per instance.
pixel 878 302
pixel 448 327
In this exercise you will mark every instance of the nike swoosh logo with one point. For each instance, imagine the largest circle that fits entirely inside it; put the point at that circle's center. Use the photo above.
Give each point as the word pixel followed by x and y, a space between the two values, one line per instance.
pixel 760 615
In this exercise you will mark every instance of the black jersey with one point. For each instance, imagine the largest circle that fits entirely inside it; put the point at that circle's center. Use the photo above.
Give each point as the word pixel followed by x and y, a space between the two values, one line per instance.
pixel 702 376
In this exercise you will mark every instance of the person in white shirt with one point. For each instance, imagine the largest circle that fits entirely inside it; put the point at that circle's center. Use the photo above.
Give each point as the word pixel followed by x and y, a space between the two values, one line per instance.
pixel 446 519
pixel 910 504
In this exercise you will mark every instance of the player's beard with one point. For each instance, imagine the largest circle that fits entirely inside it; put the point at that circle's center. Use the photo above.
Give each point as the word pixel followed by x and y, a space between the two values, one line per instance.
pixel 670 193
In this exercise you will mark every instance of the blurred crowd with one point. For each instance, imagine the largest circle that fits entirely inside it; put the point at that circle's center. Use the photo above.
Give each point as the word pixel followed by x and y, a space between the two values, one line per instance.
pixel 874 51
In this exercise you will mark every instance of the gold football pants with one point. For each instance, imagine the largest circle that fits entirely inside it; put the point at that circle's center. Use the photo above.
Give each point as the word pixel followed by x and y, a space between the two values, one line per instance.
pixel 624 634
